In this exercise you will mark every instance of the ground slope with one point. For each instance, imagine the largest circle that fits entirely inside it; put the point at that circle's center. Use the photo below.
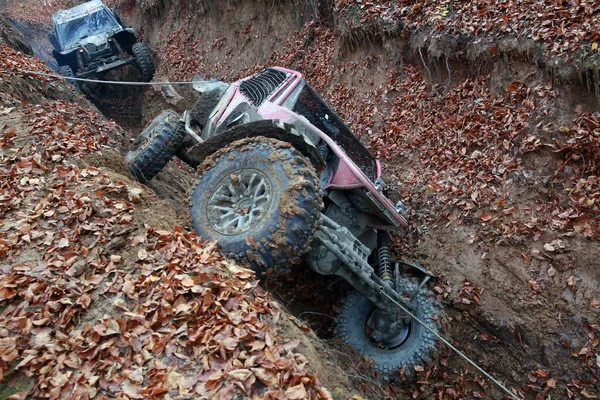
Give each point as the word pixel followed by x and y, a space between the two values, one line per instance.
pixel 487 132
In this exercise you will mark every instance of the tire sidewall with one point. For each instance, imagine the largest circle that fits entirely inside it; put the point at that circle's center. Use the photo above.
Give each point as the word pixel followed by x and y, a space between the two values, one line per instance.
pixel 287 228
pixel 379 355
pixel 419 348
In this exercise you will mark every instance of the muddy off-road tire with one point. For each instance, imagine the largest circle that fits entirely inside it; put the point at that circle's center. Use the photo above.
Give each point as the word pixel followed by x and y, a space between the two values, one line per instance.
pixel 414 347
pixel 205 105
pixel 144 61
pixel 155 146
pixel 67 71
pixel 259 199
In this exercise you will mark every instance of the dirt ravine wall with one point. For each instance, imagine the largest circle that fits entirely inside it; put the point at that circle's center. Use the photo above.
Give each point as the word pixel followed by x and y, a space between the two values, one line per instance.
pixel 213 39
pixel 10 36
pixel 232 37
pixel 524 312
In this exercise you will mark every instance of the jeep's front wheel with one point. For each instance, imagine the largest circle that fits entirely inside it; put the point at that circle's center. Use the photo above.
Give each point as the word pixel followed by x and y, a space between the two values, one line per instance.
pixel 144 61
pixel 155 146
pixel 259 199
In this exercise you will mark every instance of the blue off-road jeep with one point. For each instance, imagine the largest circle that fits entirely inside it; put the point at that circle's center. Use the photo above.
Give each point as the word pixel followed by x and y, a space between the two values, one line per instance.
pixel 90 39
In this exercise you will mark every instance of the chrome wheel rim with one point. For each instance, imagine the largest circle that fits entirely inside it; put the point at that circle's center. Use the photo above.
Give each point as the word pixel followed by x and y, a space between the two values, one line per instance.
pixel 239 202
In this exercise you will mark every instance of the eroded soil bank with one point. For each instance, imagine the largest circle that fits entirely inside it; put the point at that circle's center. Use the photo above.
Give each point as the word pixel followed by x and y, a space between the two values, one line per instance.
pixel 495 153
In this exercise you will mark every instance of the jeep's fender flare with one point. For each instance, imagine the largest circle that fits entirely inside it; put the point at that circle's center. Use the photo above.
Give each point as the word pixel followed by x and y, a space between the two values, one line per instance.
pixel 263 128
pixel 67 58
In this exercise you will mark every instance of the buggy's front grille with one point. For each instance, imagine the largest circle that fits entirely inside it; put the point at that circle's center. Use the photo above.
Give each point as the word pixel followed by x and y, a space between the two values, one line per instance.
pixel 91 47
pixel 258 87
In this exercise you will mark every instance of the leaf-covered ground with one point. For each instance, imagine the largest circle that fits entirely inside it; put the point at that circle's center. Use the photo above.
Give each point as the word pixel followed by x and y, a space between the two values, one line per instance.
pixel 40 12
pixel 563 27
pixel 101 299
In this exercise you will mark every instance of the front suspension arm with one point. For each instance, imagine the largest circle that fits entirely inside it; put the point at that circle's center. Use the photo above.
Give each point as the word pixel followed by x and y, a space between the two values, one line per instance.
pixel 354 267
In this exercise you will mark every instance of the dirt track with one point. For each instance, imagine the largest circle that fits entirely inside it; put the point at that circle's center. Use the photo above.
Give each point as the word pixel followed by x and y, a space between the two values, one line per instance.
pixel 526 313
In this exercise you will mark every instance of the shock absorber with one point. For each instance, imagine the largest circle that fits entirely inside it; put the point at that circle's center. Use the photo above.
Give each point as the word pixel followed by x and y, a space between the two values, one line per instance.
pixel 324 151
pixel 383 253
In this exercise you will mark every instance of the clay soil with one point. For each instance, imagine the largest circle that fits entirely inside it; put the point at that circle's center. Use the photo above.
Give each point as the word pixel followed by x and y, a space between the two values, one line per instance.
pixel 524 304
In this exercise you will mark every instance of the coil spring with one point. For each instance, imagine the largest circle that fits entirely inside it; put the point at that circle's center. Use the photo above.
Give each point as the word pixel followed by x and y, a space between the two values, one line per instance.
pixel 383 252
pixel 324 152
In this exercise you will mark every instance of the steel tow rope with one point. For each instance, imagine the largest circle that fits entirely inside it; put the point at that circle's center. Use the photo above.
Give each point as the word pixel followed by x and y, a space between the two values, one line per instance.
pixel 457 351
pixel 69 78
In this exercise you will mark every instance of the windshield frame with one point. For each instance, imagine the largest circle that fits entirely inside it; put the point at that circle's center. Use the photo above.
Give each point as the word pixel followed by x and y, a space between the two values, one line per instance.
pixel 67 41
pixel 334 127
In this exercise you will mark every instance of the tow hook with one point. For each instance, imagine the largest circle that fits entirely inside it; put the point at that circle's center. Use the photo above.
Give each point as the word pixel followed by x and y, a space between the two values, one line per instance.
pixel 400 207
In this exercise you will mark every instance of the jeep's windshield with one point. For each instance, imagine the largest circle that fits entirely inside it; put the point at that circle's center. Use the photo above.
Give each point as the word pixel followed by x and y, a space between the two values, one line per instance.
pixel 318 113
pixel 69 31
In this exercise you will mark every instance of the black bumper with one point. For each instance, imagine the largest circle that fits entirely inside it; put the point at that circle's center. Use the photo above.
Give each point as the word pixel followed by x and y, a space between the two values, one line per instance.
pixel 106 67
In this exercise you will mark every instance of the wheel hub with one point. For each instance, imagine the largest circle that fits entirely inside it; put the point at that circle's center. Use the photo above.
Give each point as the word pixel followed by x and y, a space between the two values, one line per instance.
pixel 385 331
pixel 239 202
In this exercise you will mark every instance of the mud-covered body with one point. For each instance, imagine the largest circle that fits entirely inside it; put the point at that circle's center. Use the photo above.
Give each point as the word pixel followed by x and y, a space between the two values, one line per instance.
pixel 90 39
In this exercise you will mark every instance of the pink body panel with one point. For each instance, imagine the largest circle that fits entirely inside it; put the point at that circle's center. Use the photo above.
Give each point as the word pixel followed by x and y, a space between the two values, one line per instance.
pixel 231 93
pixel 348 175
pixel 288 87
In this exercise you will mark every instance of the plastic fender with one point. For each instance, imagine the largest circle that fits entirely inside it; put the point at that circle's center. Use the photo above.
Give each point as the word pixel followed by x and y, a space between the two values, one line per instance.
pixel 264 128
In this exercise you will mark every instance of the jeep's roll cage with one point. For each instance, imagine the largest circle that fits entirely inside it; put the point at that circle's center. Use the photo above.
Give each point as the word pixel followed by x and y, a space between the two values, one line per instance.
pixel 68 30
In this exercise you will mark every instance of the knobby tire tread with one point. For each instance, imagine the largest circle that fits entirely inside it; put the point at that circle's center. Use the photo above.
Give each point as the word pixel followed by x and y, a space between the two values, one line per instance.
pixel 144 60
pixel 299 224
pixel 165 140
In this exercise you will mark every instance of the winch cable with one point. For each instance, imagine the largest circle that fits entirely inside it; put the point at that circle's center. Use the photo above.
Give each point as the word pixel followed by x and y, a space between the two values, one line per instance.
pixel 69 78
pixel 457 351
